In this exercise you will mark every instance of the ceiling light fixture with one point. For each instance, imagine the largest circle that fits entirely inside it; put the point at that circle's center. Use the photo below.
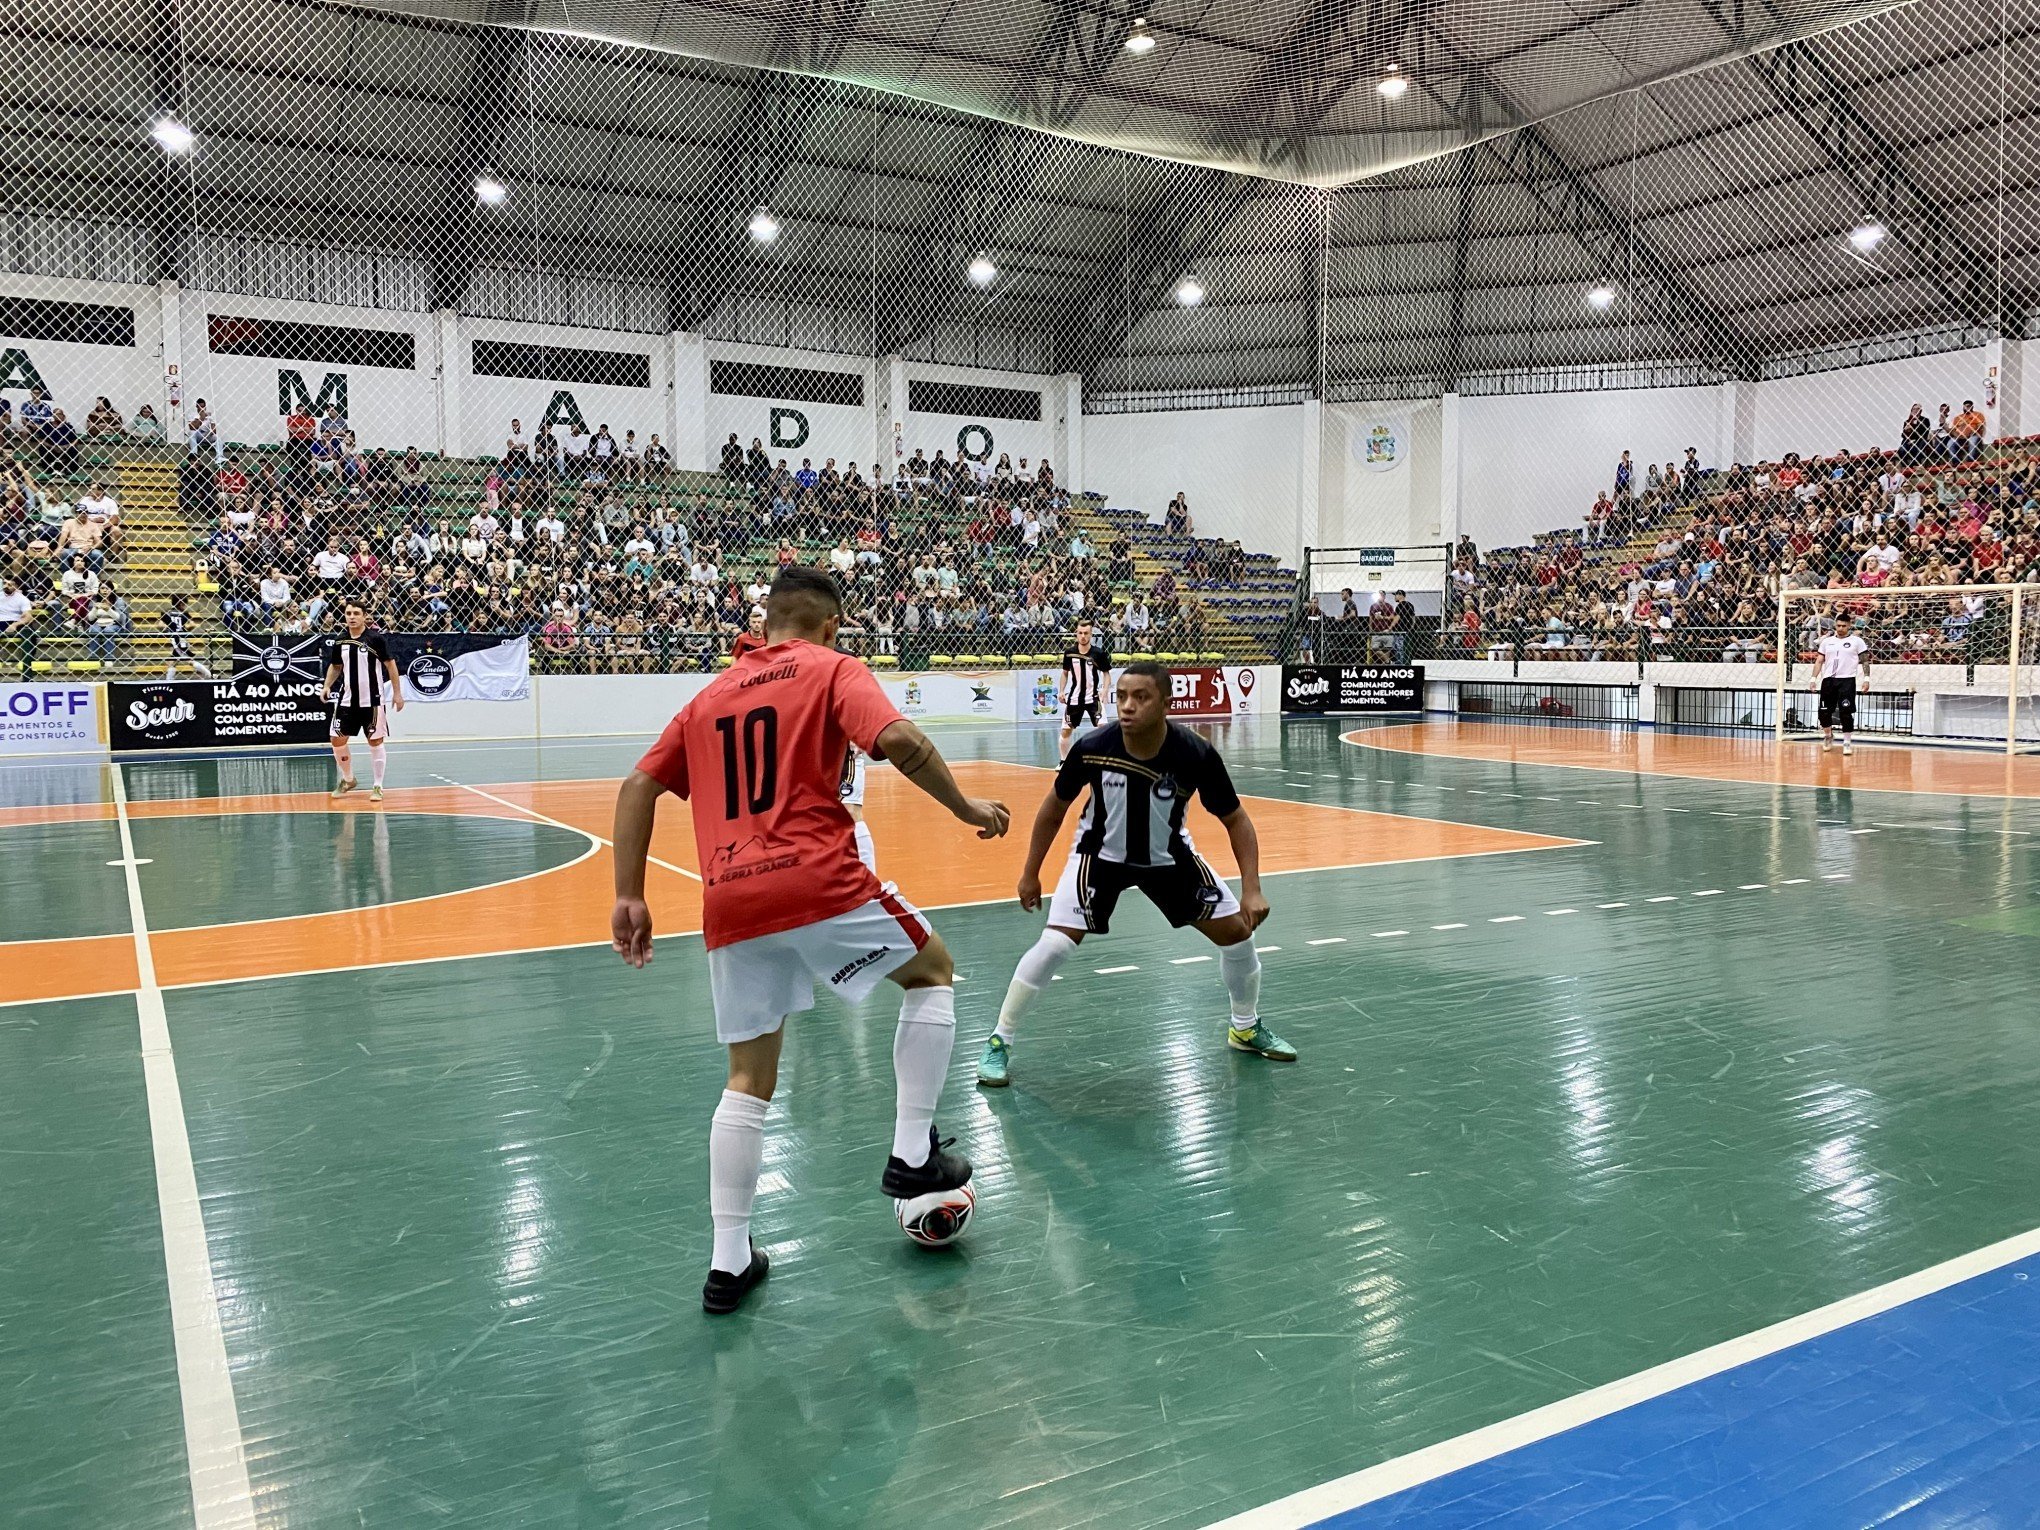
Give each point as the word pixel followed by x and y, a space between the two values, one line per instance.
pixel 981 271
pixel 1189 292
pixel 489 191
pixel 763 227
pixel 1394 85
pixel 1867 235
pixel 1140 41
pixel 172 136
pixel 1601 296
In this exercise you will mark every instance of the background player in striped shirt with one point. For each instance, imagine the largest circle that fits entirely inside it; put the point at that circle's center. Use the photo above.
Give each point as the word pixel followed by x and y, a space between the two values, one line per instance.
pixel 1086 675
pixel 1142 771
pixel 787 906
pixel 361 679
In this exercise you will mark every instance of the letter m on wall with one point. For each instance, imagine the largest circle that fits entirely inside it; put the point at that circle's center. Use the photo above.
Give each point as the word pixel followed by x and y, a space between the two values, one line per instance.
pixel 291 391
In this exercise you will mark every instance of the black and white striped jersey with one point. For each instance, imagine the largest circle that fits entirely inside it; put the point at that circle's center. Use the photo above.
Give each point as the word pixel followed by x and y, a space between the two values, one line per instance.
pixel 1137 806
pixel 361 662
pixel 1084 676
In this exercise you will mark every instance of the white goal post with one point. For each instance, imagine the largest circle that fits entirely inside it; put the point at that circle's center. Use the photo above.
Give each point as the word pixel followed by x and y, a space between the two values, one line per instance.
pixel 1965 655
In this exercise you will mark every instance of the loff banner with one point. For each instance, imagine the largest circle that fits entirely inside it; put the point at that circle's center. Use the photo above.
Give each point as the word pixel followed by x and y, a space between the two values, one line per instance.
pixel 1332 689
pixel 48 719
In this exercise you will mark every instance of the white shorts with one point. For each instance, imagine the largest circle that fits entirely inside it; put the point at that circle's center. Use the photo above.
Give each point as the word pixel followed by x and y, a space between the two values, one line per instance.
pixel 757 983
pixel 1186 893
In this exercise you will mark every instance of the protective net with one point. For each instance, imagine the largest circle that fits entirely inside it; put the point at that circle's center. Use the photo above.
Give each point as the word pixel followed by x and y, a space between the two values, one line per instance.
pixel 390 234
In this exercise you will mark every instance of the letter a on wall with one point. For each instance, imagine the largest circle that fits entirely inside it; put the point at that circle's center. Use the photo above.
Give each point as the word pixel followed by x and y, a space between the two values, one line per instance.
pixel 17 371
pixel 562 411
pixel 789 427
pixel 292 392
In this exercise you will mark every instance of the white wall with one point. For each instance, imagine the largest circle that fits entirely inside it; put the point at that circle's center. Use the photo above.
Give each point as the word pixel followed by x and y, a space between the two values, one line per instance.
pixel 75 375
pixel 1246 471
pixel 1381 475
pixel 487 404
pixel 1534 462
pixel 1032 439
pixel 833 430
pixel 386 406
pixel 1861 408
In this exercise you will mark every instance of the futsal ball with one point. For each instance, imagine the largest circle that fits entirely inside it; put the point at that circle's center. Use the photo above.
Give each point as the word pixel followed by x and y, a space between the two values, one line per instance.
pixel 937 1219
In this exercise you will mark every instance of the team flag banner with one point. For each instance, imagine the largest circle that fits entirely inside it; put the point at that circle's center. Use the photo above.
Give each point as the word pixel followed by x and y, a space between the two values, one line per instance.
pixel 461 666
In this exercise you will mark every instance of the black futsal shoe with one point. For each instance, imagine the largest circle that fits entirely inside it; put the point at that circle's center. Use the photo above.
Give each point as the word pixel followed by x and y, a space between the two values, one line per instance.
pixel 942 1171
pixel 724 1293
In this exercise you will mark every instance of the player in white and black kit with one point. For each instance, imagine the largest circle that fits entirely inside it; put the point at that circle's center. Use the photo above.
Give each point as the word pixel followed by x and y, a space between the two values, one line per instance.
pixel 1086 682
pixel 1841 667
pixel 1142 771
pixel 361 681
pixel 851 790
pixel 177 620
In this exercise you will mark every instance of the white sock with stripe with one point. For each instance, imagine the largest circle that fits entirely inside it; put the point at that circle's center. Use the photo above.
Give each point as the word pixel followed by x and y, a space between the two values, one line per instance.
pixel 866 851
pixel 736 1146
pixel 1241 965
pixel 1036 971
pixel 920 1060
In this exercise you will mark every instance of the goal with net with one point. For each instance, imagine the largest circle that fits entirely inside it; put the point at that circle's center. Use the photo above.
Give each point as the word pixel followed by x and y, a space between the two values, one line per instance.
pixel 1954 663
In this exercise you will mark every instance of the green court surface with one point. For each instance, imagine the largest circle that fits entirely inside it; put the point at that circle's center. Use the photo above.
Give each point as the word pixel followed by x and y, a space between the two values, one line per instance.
pixel 1747 1051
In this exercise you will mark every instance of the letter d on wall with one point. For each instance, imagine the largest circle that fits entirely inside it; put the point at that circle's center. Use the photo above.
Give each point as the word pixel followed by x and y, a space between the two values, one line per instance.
pixel 789 427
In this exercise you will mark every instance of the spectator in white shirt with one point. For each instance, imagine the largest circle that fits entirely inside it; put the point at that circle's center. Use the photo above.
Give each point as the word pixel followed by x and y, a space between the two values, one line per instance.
pixel 329 563
pixel 275 592
pixel 704 573
pixel 551 527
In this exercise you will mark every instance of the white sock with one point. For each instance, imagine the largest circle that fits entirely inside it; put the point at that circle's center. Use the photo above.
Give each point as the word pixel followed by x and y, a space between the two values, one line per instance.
pixel 920 1060
pixel 379 760
pixel 866 851
pixel 736 1146
pixel 1036 970
pixel 344 761
pixel 1241 965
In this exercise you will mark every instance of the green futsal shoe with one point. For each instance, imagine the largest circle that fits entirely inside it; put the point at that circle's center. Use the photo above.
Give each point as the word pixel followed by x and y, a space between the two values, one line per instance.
pixel 1261 1041
pixel 344 785
pixel 992 1064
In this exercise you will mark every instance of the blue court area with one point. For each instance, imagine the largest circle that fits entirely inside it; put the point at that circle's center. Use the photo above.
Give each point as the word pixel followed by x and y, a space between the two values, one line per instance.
pixel 1925 1415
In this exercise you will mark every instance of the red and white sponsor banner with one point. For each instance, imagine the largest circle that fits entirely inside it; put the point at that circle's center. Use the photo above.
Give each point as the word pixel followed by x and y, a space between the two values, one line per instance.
pixel 1209 691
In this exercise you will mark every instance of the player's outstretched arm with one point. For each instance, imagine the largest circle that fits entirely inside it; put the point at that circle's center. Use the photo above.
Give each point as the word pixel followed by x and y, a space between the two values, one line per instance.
pixel 1246 849
pixel 630 923
pixel 915 756
pixel 1048 822
pixel 396 683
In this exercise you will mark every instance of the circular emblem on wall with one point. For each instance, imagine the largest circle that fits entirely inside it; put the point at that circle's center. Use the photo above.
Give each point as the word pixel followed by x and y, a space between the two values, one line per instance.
pixel 429 674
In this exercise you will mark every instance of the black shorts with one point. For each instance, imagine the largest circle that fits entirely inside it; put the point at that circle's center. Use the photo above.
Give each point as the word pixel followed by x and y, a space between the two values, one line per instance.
pixel 348 721
pixel 1838 703
pixel 1075 712
pixel 1186 892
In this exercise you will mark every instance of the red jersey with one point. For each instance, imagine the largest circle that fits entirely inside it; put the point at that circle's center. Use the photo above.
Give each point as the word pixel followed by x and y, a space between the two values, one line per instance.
pixel 760 753
pixel 745 643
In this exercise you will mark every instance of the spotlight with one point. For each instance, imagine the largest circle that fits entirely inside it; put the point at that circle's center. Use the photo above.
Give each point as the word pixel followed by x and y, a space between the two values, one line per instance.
pixel 981 271
pixel 1601 296
pixel 489 191
pixel 1867 235
pixel 763 227
pixel 1189 292
pixel 171 136
pixel 1394 85
pixel 1140 41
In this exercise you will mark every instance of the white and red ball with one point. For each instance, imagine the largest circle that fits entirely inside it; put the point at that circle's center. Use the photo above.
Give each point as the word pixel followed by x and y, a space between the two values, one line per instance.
pixel 937 1219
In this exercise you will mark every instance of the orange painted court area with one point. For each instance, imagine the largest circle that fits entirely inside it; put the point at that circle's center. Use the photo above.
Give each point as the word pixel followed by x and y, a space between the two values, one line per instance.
pixel 936 861
pixel 1760 761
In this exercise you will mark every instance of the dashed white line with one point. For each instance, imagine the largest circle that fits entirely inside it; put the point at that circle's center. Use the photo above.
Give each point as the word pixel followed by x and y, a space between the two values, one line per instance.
pixel 1187 961
pixel 1678 810
pixel 1794 881
pixel 1329 940
pixel 1386 934
pixel 1663 898
pixel 1265 950
pixel 1448 926
pixel 1113 971
pixel 1864 831
pixel 1553 913
pixel 1611 905
pixel 1708 892
pixel 1834 876
pixel 1506 919
pixel 1753 887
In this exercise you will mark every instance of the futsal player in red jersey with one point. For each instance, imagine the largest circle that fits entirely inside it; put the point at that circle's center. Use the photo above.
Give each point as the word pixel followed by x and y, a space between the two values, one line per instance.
pixel 786 904
pixel 752 637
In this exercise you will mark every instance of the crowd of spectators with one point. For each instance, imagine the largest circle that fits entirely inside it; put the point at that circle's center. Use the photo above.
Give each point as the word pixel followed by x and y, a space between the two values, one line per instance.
pixel 1688 563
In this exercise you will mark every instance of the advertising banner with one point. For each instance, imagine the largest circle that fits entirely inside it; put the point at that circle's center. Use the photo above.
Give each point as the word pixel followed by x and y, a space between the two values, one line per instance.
pixel 963 696
pixel 1322 689
pixel 1037 695
pixel 48 719
pixel 1210 691
pixel 461 666
pixel 274 695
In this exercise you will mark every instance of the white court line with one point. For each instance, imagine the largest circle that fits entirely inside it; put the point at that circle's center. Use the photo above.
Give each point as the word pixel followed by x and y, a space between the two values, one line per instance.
pixel 1663 898
pixel 1448 926
pixel 1265 950
pixel 1329 940
pixel 1113 971
pixel 1611 905
pixel 220 1496
pixel 1435 1461
pixel 1710 892
pixel 1506 919
pixel 1834 876
pixel 1793 881
pixel 518 807
pixel 1387 934
pixel 1753 887
pixel 1187 961
pixel 1553 913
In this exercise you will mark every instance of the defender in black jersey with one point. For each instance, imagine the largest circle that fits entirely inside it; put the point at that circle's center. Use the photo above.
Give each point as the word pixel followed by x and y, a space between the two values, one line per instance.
pixel 1142 772
pixel 1086 675
pixel 361 680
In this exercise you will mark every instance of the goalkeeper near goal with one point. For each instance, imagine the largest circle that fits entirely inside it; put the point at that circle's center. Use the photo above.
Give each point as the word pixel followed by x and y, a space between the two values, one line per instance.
pixel 1842 665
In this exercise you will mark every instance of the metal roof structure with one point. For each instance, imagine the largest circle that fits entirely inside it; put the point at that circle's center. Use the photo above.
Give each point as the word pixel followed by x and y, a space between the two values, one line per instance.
pixel 1683 156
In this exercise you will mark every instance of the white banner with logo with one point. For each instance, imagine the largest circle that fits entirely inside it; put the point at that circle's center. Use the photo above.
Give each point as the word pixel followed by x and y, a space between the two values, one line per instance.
pixel 461 666
pixel 36 718
pixel 961 696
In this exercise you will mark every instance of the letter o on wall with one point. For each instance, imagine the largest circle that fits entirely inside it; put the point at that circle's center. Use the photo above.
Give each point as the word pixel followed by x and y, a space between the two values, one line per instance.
pixel 963 442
